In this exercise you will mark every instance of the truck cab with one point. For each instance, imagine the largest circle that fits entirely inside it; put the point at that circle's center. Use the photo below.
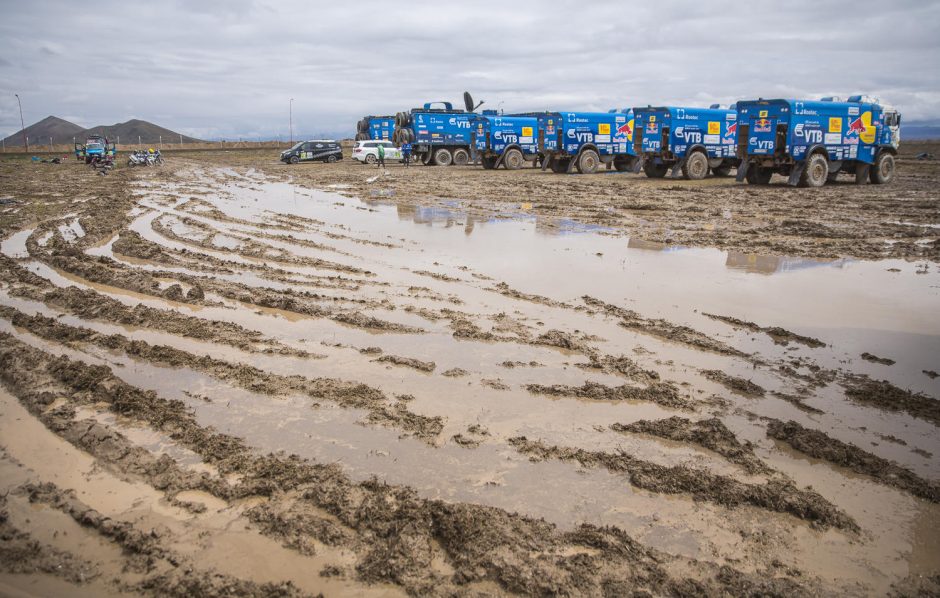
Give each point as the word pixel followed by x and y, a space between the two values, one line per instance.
pixel 96 148
pixel 501 140
pixel 686 139
pixel 585 140
pixel 812 141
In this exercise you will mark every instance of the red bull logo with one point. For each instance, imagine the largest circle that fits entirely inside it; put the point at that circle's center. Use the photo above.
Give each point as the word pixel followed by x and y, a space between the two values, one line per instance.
pixel 625 129
pixel 762 125
pixel 862 128
pixel 732 130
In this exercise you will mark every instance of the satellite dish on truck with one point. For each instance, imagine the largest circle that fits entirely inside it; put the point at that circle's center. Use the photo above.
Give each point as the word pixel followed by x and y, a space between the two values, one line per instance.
pixel 468 102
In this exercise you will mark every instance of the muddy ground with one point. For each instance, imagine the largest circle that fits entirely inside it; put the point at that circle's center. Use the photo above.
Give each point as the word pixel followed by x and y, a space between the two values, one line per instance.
pixel 229 376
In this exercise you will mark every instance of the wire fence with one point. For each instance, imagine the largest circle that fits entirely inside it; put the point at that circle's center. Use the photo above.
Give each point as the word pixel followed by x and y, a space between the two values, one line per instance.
pixel 69 148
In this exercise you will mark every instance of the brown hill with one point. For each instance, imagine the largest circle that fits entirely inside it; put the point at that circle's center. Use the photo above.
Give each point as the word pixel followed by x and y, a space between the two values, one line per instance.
pixel 60 130
pixel 128 133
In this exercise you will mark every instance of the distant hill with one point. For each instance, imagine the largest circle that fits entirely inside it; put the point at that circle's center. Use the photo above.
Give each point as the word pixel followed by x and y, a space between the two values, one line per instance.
pixel 39 133
pixel 128 132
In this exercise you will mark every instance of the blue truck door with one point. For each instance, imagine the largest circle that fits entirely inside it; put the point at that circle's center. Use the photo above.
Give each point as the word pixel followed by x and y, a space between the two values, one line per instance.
pixel 762 138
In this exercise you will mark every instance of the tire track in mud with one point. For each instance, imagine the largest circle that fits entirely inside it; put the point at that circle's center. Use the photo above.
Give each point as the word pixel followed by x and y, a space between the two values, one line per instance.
pixel 347 394
pixel 396 534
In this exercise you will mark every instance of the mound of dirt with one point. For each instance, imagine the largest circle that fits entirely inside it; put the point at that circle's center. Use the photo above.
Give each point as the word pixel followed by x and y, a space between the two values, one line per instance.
pixel 887 396
pixel 734 383
pixel 662 393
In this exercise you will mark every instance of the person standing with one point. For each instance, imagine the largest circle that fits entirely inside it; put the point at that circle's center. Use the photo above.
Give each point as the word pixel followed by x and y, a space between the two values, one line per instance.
pixel 381 163
pixel 406 153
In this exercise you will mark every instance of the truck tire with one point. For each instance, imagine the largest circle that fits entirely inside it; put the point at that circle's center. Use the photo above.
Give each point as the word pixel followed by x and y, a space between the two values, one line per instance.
pixel 882 171
pixel 362 136
pixel 758 175
pixel 816 171
pixel 695 167
pixel 724 169
pixel 560 165
pixel 461 157
pixel 443 157
pixel 513 160
pixel 587 162
pixel 655 171
pixel 489 163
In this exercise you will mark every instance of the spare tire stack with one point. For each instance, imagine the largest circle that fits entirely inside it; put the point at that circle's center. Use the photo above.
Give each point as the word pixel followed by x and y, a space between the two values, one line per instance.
pixel 362 129
pixel 403 133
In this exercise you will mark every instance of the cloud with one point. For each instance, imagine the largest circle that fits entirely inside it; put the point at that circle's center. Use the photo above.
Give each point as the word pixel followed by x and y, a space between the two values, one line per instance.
pixel 228 69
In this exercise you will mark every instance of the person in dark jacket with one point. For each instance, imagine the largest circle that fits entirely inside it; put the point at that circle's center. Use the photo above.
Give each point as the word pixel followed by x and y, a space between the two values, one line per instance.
pixel 406 153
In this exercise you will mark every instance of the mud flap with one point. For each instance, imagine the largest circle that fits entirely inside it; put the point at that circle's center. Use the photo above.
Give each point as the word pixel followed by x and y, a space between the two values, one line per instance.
pixel 571 162
pixel 795 175
pixel 742 171
pixel 637 165
pixel 677 168
pixel 499 160
pixel 862 171
pixel 546 162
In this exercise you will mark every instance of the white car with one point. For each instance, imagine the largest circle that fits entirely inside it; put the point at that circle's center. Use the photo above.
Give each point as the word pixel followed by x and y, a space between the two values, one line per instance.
pixel 368 151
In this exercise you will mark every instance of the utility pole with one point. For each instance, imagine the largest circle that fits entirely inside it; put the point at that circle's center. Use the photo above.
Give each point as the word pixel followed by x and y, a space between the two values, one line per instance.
pixel 161 142
pixel 181 139
pixel 291 122
pixel 138 141
pixel 22 125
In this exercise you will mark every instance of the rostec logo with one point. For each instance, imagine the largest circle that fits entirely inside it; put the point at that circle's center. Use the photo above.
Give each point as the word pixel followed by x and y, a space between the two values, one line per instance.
pixel 811 135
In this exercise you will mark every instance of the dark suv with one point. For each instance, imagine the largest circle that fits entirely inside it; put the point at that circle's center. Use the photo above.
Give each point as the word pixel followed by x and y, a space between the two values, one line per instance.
pixel 324 150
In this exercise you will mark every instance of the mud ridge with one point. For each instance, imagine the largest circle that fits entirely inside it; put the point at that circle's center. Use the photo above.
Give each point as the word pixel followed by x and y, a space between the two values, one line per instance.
pixel 780 336
pixel 734 383
pixel 887 396
pixel 819 445
pixel 661 393
pixel 775 495
pixel 662 328
pixel 711 434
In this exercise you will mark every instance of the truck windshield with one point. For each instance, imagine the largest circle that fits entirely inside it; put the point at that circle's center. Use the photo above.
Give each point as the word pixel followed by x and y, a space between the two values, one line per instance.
pixel 94 145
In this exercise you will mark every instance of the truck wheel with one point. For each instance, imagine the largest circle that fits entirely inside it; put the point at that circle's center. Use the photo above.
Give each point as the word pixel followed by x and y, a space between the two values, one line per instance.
pixel 361 136
pixel 513 160
pixel 461 157
pixel 759 175
pixel 816 171
pixel 294 159
pixel 695 167
pixel 560 165
pixel 443 157
pixel 489 163
pixel 724 169
pixel 882 171
pixel 371 159
pixel 655 171
pixel 587 162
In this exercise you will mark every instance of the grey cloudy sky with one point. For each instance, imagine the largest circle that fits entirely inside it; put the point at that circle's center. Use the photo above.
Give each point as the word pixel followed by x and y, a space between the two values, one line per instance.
pixel 228 69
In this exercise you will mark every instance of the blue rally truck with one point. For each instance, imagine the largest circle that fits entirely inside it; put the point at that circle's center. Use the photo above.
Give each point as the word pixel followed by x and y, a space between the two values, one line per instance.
pixel 375 127
pixel 438 136
pixel 501 140
pixel 585 140
pixel 690 140
pixel 811 142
